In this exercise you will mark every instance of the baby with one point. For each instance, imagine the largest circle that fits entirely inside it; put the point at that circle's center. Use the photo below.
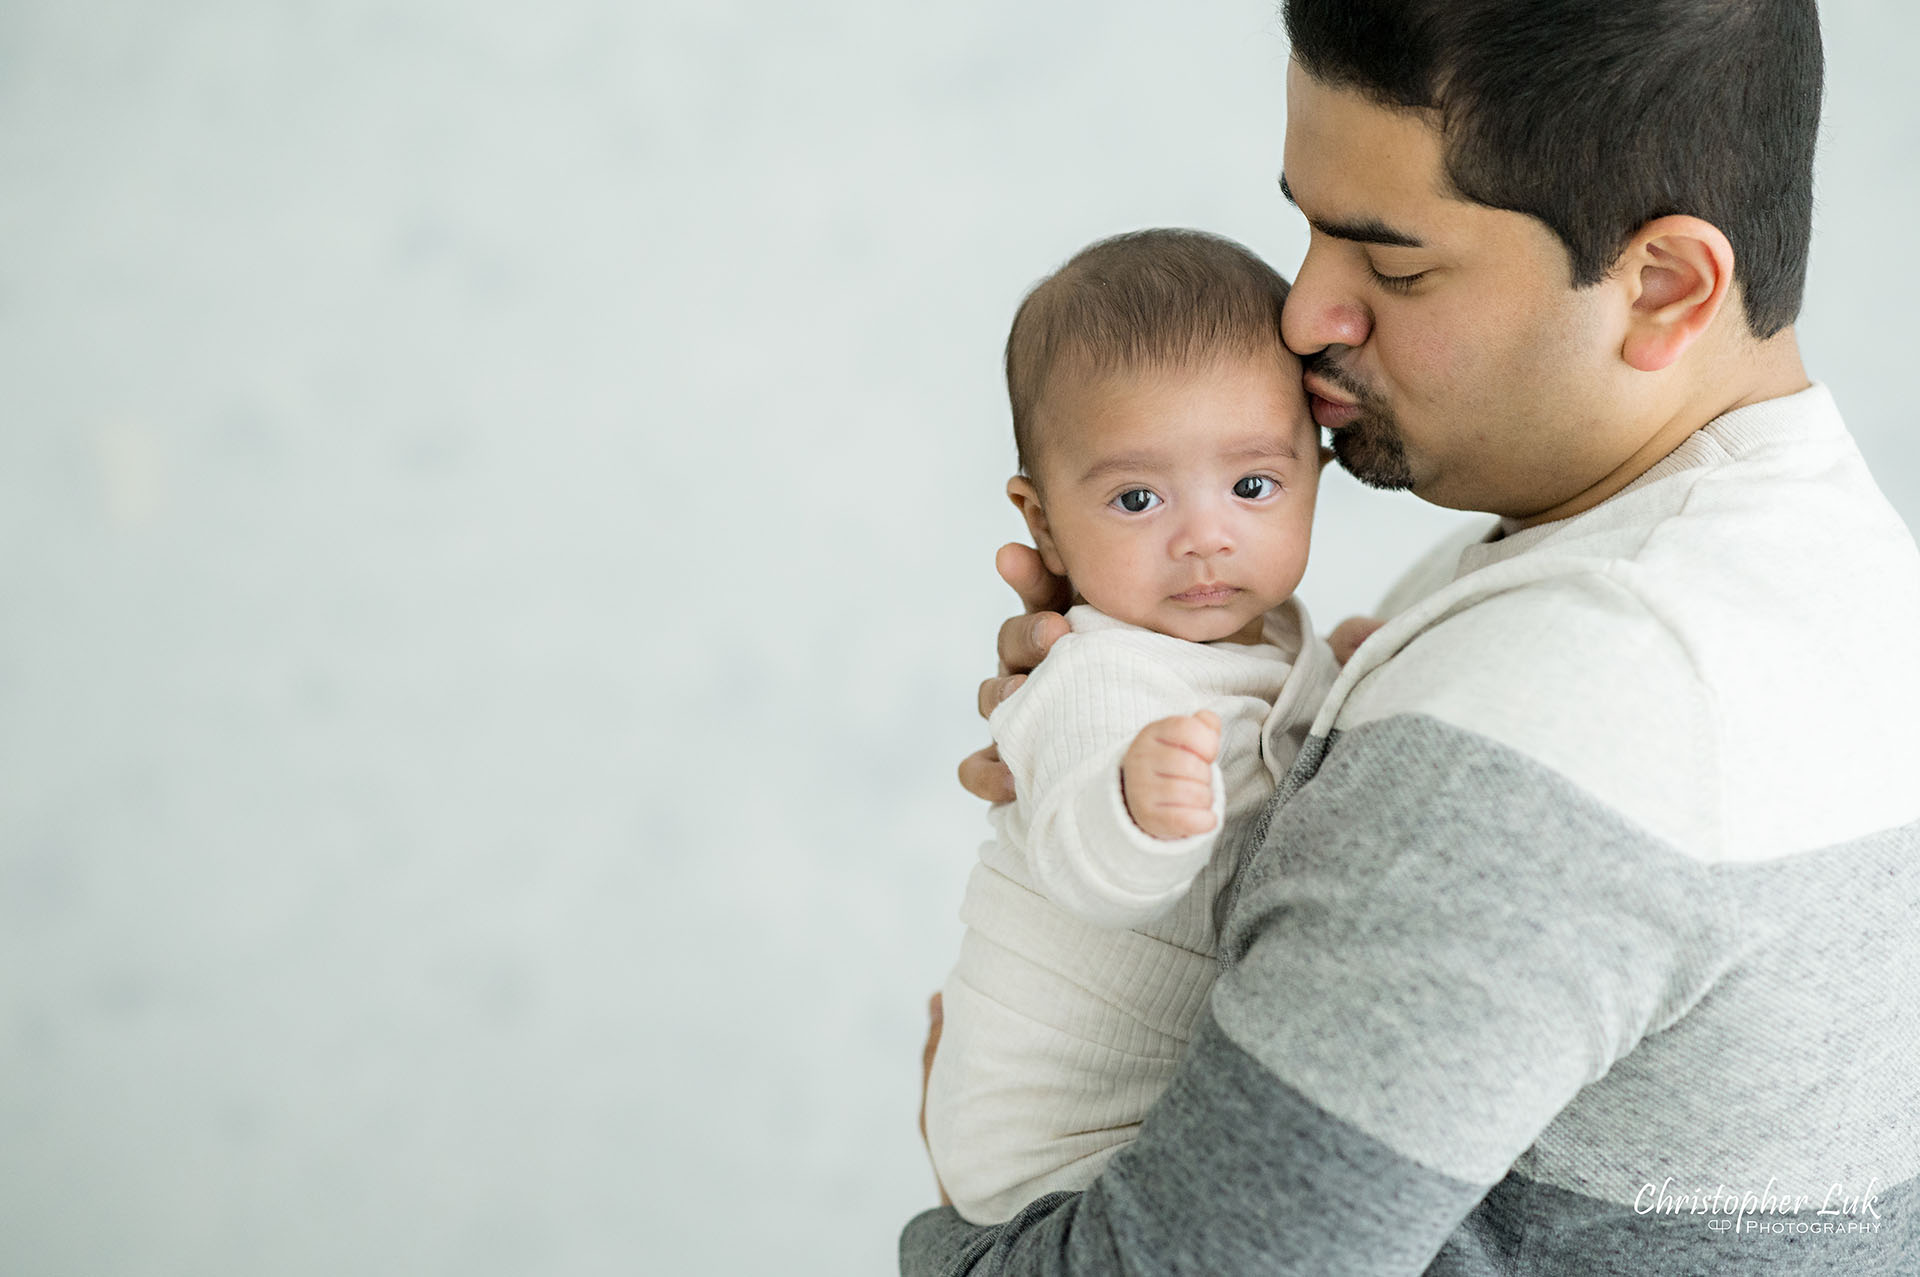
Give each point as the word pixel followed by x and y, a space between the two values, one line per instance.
pixel 1168 468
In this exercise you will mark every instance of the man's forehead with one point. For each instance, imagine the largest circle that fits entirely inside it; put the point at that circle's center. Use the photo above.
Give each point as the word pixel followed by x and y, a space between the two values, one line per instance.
pixel 1350 159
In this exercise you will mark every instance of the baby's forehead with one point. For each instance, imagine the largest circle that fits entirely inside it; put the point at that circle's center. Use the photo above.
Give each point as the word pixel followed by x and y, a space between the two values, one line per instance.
pixel 1081 367
pixel 1090 396
pixel 1171 418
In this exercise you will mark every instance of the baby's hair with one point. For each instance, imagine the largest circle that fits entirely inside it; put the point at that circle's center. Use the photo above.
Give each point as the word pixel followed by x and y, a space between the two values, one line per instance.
pixel 1152 299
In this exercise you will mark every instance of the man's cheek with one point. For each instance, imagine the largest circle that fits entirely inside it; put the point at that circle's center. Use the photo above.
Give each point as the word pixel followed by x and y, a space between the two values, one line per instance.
pixel 1431 359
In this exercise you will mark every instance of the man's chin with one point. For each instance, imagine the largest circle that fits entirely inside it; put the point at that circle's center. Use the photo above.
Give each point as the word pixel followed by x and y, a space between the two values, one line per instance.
pixel 1372 454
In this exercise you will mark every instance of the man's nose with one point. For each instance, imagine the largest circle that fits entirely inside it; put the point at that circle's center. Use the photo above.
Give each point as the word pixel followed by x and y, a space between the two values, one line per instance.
pixel 1323 309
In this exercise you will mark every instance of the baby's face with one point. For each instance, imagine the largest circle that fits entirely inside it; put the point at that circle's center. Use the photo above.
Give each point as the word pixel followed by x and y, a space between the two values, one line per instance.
pixel 1181 501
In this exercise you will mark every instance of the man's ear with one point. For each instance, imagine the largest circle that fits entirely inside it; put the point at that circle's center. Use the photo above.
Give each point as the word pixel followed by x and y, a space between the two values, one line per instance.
pixel 1026 499
pixel 1678 272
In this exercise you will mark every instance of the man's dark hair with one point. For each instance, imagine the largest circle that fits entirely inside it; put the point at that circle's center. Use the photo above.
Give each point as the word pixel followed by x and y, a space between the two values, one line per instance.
pixel 1145 299
pixel 1597 116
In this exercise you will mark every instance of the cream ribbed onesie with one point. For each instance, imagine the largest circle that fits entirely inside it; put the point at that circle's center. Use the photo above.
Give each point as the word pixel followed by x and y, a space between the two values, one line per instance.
pixel 1089 947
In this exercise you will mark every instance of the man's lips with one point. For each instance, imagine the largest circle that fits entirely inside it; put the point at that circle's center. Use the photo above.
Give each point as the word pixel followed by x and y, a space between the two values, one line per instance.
pixel 1331 409
pixel 1207 595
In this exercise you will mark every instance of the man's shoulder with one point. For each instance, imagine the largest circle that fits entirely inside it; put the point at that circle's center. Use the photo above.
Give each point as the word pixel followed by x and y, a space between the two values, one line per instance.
pixel 1567 665
pixel 1710 585
pixel 1677 653
pixel 1560 627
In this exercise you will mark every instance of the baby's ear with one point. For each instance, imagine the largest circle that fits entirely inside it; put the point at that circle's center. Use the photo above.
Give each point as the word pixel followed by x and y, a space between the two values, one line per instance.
pixel 1026 499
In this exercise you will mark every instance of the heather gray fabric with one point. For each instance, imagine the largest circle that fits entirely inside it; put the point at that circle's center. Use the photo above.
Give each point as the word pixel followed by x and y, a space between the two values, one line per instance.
pixel 1804 1057
pixel 1430 893
pixel 1441 942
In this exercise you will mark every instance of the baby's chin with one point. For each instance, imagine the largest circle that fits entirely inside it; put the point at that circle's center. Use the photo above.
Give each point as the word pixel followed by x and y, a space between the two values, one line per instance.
pixel 1240 619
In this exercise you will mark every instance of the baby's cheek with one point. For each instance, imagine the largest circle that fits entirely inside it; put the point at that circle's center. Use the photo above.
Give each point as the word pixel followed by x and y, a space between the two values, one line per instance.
pixel 1099 570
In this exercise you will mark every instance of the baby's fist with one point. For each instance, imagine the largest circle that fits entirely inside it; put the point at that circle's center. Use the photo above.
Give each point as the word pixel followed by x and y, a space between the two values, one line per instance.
pixel 1166 776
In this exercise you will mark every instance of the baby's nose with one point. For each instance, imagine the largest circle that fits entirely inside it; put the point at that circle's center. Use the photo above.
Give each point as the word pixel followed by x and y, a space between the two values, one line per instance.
pixel 1203 536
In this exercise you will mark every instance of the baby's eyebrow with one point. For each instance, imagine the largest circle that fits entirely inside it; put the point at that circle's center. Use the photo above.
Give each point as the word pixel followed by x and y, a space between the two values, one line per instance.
pixel 1152 462
pixel 1261 451
pixel 1121 463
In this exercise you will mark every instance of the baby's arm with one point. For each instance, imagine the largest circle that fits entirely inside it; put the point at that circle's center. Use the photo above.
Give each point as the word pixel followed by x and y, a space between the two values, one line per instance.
pixel 1166 775
pixel 1067 735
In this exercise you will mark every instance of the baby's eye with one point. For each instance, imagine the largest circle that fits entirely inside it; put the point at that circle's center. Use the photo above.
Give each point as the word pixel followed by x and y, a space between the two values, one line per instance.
pixel 1254 487
pixel 1136 500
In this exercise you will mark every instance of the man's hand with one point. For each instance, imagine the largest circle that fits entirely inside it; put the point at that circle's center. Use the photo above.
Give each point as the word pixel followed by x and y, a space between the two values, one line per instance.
pixel 935 1018
pixel 1024 641
pixel 1350 634
pixel 1166 776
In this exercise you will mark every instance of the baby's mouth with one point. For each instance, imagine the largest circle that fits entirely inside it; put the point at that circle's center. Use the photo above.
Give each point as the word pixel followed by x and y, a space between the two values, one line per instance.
pixel 1212 592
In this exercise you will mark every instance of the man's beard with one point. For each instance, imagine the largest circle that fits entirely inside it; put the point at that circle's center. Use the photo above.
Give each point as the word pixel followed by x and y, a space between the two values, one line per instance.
pixel 1369 447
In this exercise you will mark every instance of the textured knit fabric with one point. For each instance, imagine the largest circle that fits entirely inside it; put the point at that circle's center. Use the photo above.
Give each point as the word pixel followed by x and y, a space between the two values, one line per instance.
pixel 1090 944
pixel 1581 938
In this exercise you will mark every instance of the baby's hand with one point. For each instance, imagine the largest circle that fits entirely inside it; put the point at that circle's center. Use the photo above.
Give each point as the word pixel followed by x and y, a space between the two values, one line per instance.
pixel 1166 777
pixel 1350 634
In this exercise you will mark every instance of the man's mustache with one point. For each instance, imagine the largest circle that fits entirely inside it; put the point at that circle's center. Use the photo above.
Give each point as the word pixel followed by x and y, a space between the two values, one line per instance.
pixel 1321 365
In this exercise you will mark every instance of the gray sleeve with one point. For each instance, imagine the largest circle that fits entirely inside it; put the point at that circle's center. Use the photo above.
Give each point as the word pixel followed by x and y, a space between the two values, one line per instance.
pixel 1441 941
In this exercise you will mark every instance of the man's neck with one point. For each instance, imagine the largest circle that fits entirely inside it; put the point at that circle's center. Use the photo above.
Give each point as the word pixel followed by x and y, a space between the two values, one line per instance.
pixel 1765 370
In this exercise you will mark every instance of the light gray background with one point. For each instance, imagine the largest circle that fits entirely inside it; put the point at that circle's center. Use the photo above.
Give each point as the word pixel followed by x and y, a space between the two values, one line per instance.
pixel 496 516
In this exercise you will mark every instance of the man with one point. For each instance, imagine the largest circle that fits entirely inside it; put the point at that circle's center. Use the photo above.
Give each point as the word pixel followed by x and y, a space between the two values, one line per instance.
pixel 1581 938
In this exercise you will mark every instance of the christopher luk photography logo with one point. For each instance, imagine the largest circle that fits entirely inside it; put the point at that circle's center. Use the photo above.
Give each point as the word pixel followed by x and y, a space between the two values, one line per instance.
pixel 1768 1212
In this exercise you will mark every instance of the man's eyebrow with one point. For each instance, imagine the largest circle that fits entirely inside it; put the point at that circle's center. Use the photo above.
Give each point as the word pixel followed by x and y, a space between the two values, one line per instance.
pixel 1365 230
